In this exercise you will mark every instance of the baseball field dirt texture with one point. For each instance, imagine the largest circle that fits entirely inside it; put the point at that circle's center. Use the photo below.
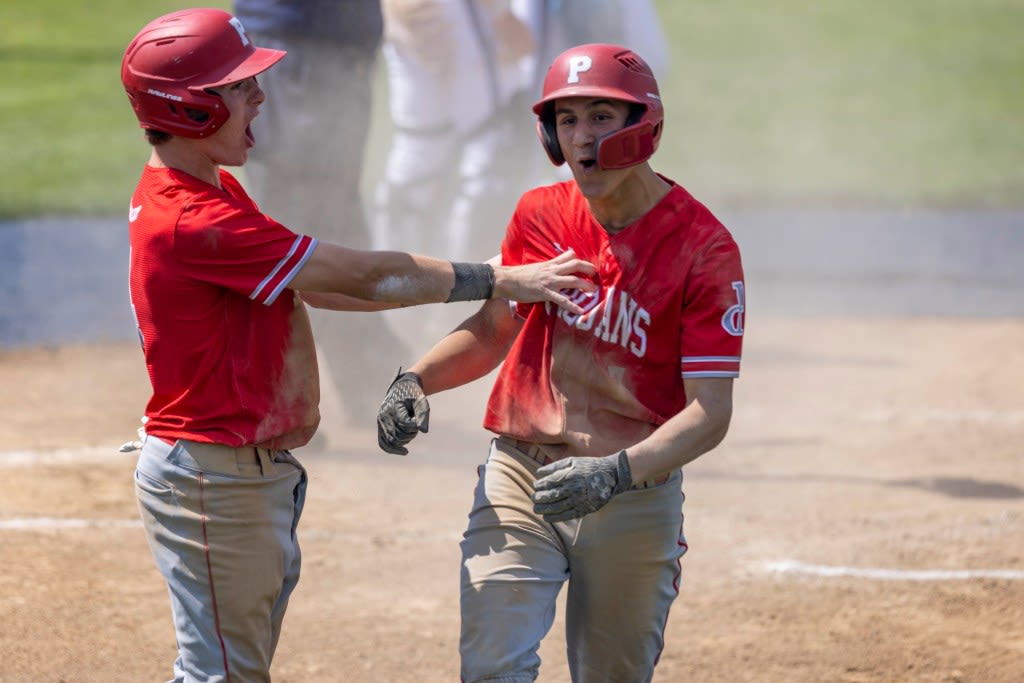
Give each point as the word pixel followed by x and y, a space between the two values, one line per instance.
pixel 862 521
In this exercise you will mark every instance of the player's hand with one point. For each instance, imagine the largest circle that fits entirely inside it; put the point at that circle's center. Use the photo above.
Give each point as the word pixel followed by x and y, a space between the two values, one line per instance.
pixel 574 487
pixel 403 413
pixel 551 280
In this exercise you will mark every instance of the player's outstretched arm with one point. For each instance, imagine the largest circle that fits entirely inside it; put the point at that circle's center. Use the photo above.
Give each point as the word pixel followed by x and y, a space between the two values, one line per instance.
pixel 332 301
pixel 467 353
pixel 411 279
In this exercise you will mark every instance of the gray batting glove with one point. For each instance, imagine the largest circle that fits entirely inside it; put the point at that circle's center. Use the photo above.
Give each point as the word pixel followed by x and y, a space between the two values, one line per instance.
pixel 403 413
pixel 574 487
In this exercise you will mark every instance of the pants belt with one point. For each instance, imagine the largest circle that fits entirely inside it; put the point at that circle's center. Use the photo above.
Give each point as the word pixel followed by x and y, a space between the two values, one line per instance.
pixel 530 450
pixel 248 454
pixel 534 452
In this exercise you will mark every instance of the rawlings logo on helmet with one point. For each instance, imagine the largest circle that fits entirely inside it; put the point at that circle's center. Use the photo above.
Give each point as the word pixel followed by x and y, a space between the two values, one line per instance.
pixel 612 72
pixel 166 96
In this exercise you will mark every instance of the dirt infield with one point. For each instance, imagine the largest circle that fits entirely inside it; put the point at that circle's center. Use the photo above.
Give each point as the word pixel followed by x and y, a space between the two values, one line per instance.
pixel 863 521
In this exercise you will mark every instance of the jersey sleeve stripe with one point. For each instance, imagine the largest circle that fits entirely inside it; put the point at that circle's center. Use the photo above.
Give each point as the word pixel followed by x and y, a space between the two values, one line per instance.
pixel 709 366
pixel 277 268
pixel 271 287
pixel 710 359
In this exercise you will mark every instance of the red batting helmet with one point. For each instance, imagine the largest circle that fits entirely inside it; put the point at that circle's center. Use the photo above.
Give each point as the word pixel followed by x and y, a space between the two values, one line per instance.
pixel 614 72
pixel 170 64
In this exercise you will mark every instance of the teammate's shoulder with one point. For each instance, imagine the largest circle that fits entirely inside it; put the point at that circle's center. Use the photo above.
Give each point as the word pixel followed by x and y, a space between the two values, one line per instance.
pixel 697 224
pixel 681 197
pixel 682 202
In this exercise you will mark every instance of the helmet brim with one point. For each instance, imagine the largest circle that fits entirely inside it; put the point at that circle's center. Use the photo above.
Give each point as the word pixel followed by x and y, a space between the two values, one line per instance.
pixel 603 92
pixel 258 61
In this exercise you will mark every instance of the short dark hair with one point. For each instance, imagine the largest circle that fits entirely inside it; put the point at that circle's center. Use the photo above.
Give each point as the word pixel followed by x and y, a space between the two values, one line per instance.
pixel 159 137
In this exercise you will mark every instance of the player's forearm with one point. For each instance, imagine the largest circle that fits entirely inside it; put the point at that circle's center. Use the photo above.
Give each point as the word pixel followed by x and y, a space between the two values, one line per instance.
pixel 692 432
pixel 393 277
pixel 454 361
pixel 411 279
pixel 469 352
pixel 343 302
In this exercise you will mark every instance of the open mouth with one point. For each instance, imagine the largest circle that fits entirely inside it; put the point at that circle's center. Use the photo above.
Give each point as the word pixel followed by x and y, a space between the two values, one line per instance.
pixel 250 139
pixel 588 164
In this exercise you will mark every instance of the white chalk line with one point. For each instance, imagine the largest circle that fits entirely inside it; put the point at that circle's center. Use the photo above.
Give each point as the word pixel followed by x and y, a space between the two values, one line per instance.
pixel 878 574
pixel 925 415
pixel 60 456
pixel 50 523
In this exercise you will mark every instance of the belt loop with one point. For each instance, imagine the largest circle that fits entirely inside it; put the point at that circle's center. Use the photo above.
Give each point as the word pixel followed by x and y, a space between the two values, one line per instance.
pixel 259 460
pixel 530 450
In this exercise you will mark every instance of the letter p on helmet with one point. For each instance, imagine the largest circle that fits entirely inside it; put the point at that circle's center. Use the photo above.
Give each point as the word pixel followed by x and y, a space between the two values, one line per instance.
pixel 237 25
pixel 578 64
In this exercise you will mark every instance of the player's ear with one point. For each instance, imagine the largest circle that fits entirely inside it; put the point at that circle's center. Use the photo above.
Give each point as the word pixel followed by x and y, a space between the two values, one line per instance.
pixel 548 135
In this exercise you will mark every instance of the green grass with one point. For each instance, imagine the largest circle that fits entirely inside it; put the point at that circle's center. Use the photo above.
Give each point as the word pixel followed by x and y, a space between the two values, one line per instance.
pixel 836 102
pixel 856 101
pixel 70 142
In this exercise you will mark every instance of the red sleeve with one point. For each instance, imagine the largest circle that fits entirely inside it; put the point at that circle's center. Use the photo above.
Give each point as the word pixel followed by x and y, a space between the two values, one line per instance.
pixel 232 245
pixel 714 308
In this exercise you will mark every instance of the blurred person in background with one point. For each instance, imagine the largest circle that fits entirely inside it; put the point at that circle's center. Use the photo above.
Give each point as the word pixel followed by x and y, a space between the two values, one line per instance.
pixel 458 83
pixel 460 77
pixel 559 24
pixel 308 167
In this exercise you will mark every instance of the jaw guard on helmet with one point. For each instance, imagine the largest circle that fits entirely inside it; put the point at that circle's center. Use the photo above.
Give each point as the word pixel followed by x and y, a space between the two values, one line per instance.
pixel 169 65
pixel 613 72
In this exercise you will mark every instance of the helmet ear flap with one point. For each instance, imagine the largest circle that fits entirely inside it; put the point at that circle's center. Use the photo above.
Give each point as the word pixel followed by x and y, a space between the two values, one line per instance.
pixel 627 147
pixel 191 114
pixel 549 139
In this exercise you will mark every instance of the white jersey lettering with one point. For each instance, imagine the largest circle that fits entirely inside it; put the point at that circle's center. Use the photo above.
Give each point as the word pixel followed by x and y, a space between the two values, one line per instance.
pixel 627 306
pixel 640 323
pixel 631 320
pixel 732 319
pixel 603 330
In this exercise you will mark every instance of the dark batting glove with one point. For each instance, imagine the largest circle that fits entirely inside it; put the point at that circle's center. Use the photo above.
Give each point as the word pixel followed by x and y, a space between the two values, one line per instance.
pixel 574 487
pixel 402 414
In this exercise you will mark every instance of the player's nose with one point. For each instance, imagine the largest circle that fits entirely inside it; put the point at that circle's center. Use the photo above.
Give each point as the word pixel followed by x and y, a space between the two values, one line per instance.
pixel 582 136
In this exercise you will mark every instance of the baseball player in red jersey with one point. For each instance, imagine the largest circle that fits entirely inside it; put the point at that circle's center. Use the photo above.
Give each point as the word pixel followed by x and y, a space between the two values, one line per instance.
pixel 596 413
pixel 215 287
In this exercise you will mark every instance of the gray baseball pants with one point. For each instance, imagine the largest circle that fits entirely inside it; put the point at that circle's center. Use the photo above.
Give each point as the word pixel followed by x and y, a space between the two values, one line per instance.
pixel 621 564
pixel 221 523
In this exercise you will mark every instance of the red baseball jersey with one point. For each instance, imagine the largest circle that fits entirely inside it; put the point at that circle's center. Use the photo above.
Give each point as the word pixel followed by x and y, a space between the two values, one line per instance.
pixel 669 305
pixel 228 346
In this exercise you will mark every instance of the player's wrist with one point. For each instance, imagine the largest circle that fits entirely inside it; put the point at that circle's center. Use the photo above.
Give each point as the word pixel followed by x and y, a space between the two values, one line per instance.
pixel 473 282
pixel 406 376
pixel 624 478
pixel 504 282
